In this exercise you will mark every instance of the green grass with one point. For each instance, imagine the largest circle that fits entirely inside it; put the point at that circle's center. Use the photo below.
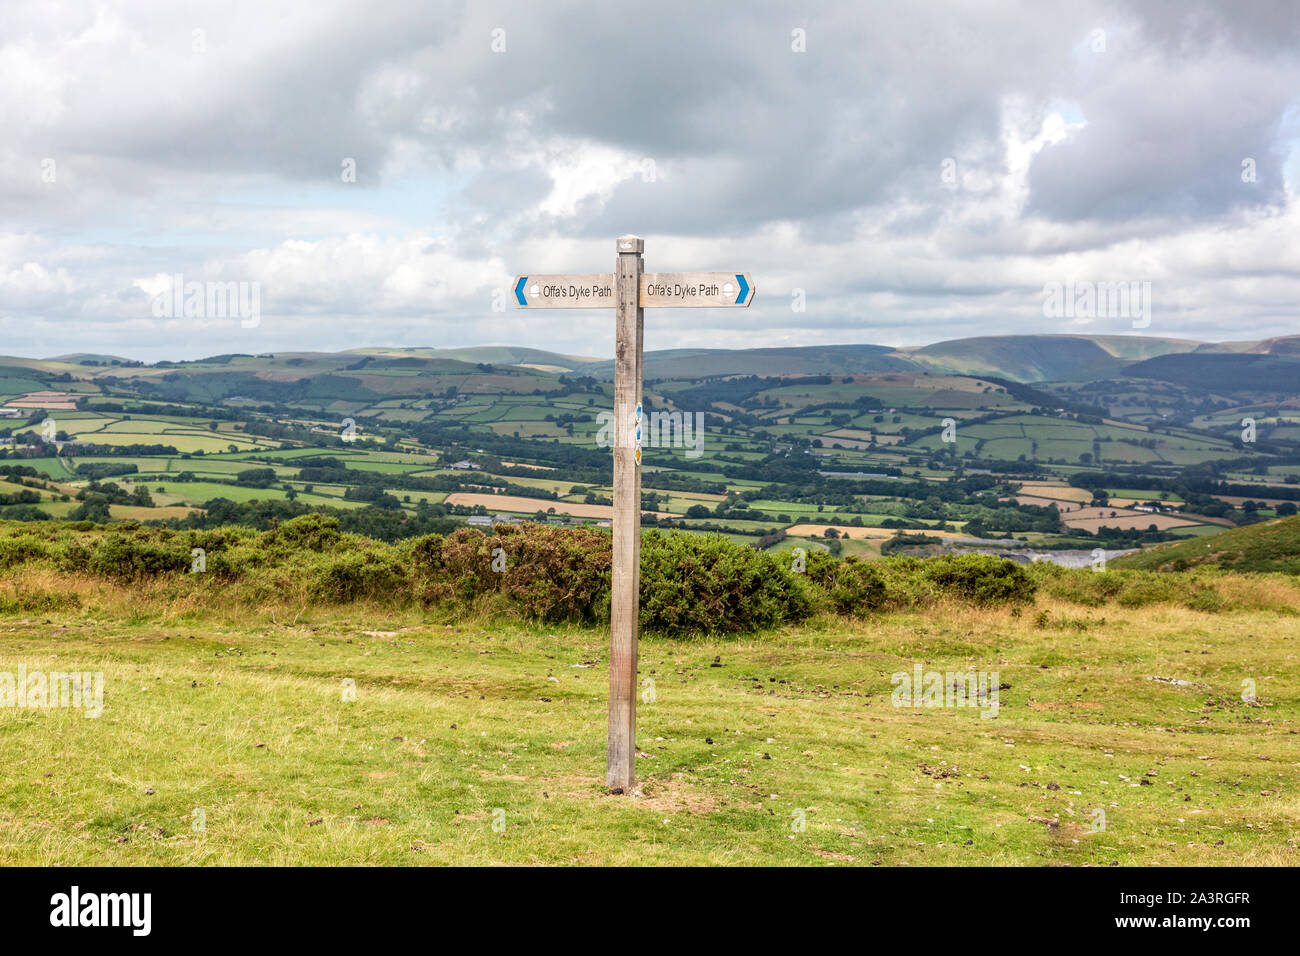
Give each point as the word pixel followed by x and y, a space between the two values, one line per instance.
pixel 197 492
pixel 1267 546
pixel 455 725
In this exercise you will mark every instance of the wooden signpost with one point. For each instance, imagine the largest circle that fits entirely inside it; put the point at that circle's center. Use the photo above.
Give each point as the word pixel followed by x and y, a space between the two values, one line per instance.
pixel 629 291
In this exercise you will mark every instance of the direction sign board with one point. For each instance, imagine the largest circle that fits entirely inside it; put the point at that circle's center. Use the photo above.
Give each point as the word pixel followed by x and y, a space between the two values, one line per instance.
pixel 592 291
pixel 629 291
pixel 695 290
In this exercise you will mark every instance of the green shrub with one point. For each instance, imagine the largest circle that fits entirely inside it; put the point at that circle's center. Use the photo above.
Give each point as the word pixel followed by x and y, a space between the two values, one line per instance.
pixel 700 584
pixel 36 600
pixel 690 583
pixel 1077 585
pixel 140 554
pixel 1143 587
pixel 304 533
pixel 851 586
pixel 1196 589
pixel 19 549
pixel 1205 598
pixel 464 570
pixel 365 575
pixel 980 578
pixel 556 575
pixel 426 552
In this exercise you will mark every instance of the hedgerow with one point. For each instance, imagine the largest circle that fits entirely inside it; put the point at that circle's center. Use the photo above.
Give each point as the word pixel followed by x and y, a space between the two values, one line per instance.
pixel 689 584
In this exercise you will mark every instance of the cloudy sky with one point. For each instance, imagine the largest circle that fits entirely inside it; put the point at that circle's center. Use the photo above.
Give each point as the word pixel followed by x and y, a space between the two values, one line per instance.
pixel 377 171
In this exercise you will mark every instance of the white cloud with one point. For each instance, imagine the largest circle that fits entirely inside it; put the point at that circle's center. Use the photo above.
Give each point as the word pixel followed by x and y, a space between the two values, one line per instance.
pixel 818 171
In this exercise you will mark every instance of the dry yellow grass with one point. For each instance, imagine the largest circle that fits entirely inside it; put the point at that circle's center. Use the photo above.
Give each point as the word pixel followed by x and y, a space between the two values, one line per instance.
pixel 1061 491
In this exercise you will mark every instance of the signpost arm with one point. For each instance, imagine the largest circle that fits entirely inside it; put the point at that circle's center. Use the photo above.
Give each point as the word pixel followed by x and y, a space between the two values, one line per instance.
pixel 625 594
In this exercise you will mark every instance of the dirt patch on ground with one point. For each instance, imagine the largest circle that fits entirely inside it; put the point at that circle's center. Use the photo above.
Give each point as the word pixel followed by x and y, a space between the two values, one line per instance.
pixel 679 793
pixel 828 855
pixel 674 794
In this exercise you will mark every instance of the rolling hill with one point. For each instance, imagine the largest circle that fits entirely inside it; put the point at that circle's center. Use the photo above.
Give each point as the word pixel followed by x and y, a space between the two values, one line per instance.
pixel 489 355
pixel 806 360
pixel 1022 358
pixel 1223 372
pixel 1268 546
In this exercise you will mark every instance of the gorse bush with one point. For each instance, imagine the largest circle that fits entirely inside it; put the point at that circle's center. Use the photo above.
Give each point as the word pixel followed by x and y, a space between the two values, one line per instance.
pixel 549 574
pixel 980 579
pixel 851 586
pixel 20 549
pixel 360 576
pixel 690 583
pixel 141 555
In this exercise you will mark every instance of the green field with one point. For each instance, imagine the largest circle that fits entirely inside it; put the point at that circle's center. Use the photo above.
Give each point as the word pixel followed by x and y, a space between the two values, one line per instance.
pixel 242 723
pixel 418 411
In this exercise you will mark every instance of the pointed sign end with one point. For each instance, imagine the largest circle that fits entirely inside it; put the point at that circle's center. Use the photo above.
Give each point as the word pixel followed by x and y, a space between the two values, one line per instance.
pixel 746 290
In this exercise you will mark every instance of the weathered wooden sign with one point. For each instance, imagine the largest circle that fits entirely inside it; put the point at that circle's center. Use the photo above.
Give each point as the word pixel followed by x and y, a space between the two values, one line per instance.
pixel 629 291
pixel 661 290
pixel 594 291
pixel 695 290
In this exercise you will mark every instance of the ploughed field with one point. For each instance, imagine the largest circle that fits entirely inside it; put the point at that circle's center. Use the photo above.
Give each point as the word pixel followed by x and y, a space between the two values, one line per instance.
pixel 1121 735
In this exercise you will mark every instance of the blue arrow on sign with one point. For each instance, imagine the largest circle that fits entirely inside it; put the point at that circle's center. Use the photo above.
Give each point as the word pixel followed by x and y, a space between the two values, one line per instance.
pixel 744 289
pixel 519 290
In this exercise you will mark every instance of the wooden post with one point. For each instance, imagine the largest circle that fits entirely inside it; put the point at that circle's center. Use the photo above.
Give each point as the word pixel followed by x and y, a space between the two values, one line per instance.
pixel 629 289
pixel 625 603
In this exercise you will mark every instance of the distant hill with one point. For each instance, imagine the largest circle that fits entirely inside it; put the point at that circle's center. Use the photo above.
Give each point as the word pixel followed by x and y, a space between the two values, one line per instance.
pixel 1282 345
pixel 805 360
pixel 1268 365
pixel 87 357
pixel 1232 366
pixel 1022 358
pixel 490 355
pixel 1223 372
pixel 1139 347
pixel 1268 546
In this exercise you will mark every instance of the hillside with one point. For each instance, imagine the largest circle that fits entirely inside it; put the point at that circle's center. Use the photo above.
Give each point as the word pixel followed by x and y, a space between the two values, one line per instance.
pixel 1138 347
pixel 1022 358
pixel 489 355
pixel 1219 372
pixel 806 360
pixel 1283 345
pixel 1270 546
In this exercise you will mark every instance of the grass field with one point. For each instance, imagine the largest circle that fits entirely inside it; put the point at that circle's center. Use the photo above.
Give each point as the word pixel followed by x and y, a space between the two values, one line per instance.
pixel 1270 545
pixel 239 723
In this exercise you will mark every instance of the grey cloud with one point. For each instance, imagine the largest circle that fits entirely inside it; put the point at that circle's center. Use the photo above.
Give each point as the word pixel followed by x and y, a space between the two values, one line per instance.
pixel 821 168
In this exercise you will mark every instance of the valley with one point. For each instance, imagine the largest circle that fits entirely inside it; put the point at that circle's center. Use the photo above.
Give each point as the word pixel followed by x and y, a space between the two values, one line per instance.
pixel 858 450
